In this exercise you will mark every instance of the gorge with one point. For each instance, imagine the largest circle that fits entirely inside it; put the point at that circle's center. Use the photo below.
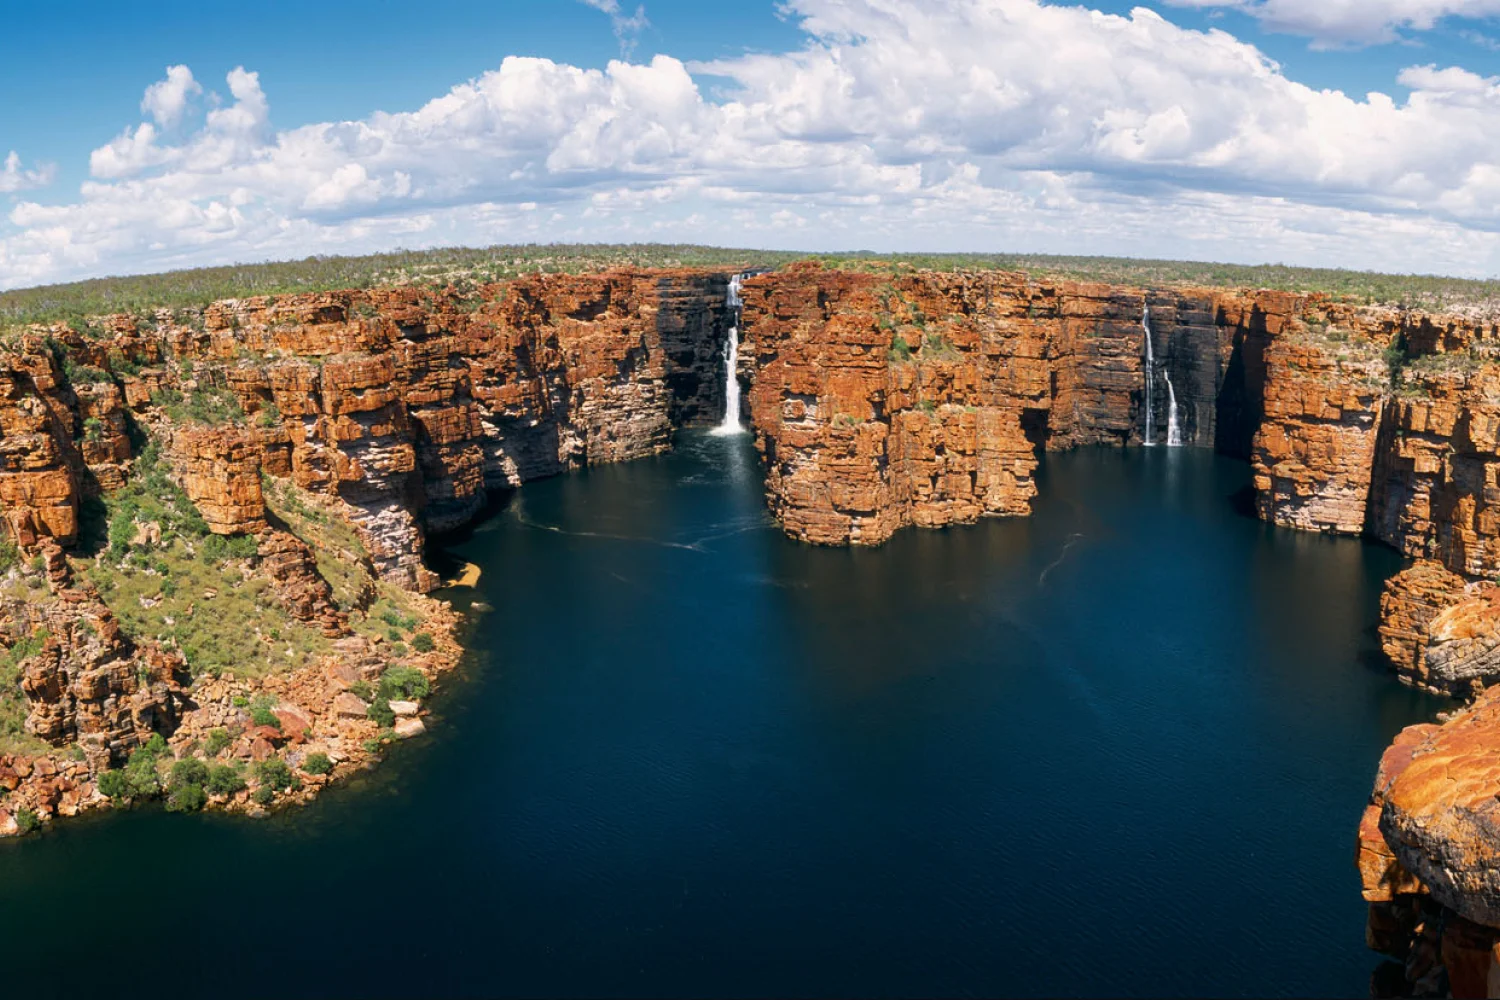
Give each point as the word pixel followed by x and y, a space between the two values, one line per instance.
pixel 325 439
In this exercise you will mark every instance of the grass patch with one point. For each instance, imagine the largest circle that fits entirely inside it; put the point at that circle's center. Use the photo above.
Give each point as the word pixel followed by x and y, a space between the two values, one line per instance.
pixel 191 591
pixel 204 406
pixel 13 704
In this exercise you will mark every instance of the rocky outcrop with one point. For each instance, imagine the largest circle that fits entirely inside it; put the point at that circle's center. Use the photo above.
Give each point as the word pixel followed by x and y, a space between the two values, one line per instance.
pixel 89 684
pixel 879 404
pixel 221 476
pixel 39 488
pixel 1314 455
pixel 1438 809
pixel 306 595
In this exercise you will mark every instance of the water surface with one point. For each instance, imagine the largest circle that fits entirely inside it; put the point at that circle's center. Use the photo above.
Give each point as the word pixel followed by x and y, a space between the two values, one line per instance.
pixel 1118 748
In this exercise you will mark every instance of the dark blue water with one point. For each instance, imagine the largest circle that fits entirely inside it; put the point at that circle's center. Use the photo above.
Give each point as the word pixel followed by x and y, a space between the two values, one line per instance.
pixel 1118 748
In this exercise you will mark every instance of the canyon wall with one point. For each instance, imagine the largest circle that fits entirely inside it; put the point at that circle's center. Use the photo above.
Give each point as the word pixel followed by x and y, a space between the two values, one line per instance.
pixel 884 400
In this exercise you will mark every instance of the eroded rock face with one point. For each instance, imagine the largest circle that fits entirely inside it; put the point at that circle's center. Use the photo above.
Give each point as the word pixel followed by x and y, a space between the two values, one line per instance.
pixel 1412 600
pixel 1314 455
pixel 221 476
pixel 293 569
pixel 89 683
pixel 39 488
pixel 861 441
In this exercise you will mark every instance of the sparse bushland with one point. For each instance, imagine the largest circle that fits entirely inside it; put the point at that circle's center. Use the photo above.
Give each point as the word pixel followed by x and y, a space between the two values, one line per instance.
pixel 189 590
pixel 180 292
pixel 273 773
pixel 140 778
pixel 380 712
pixel 225 779
pixel 204 406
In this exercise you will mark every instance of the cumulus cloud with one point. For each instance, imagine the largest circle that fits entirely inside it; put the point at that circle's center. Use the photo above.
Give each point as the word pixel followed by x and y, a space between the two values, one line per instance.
pixel 166 101
pixel 1351 22
pixel 13 177
pixel 944 124
pixel 628 28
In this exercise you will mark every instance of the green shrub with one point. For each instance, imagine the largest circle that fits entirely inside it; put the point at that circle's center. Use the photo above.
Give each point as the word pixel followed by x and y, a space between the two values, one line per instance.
pixel 380 711
pixel 187 798
pixel 265 717
pixel 273 773
pixel 188 771
pixel 393 618
pixel 422 642
pixel 362 690
pixel 217 741
pixel 263 796
pixel 900 349
pixel 225 779
pixel 114 784
pixel 405 684
pixel 317 763
pixel 28 821
pixel 140 774
pixel 218 548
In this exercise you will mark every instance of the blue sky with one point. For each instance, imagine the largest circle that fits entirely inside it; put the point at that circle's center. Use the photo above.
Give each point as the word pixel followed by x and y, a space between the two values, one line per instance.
pixel 817 124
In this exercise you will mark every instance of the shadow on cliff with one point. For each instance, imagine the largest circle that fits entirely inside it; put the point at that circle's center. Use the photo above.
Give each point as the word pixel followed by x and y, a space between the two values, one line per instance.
pixel 1241 404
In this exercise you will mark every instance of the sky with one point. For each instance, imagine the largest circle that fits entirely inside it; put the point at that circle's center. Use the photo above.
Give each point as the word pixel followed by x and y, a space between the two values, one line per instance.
pixel 1341 133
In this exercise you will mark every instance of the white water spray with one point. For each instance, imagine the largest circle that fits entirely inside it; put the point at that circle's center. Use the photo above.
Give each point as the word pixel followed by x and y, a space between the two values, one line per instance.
pixel 731 422
pixel 1174 430
pixel 1150 439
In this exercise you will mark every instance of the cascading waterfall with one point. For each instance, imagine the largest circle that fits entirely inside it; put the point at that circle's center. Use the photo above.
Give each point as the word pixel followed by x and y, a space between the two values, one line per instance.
pixel 1150 439
pixel 731 422
pixel 1174 430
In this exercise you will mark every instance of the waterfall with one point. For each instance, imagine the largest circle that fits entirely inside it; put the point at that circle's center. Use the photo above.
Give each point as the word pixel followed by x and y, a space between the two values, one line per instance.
pixel 1150 376
pixel 1174 430
pixel 731 422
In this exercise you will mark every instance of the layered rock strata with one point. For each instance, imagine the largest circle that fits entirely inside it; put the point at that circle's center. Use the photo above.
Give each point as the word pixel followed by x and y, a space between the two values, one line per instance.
pixel 882 400
pixel 399 412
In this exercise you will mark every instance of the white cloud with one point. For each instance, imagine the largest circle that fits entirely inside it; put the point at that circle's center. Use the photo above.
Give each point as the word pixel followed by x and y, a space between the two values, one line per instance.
pixel 14 178
pixel 945 124
pixel 1351 22
pixel 166 101
pixel 627 28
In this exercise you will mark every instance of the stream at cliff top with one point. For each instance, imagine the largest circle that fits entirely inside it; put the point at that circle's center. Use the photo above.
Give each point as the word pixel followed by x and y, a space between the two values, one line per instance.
pixel 1118 748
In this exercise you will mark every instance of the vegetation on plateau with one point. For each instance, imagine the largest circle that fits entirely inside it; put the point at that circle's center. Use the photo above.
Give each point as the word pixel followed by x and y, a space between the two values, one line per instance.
pixel 146 295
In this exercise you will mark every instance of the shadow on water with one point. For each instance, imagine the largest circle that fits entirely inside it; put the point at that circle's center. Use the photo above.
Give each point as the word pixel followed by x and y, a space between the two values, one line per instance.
pixel 1119 747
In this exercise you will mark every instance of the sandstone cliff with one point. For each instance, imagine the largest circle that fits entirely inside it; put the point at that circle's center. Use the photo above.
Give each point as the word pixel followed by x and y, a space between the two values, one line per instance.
pixel 330 433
